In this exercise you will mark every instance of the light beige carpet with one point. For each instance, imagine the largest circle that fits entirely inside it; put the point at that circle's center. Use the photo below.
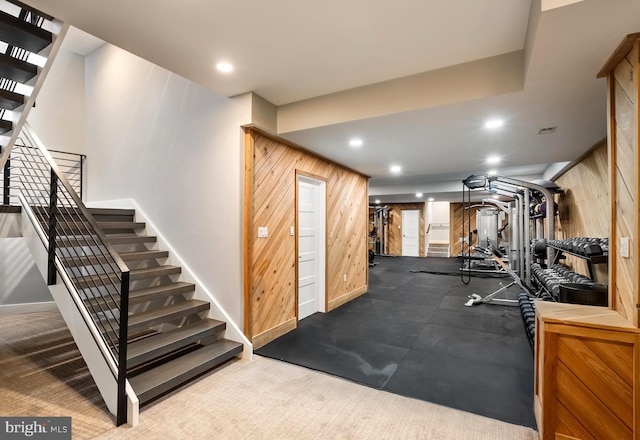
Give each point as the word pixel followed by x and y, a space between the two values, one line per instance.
pixel 41 374
pixel 268 399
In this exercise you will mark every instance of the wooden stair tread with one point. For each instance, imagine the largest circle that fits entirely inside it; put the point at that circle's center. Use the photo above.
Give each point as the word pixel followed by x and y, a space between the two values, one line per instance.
pixel 163 378
pixel 121 225
pixel 162 315
pixel 5 126
pixel 138 296
pixel 16 70
pixel 112 211
pixel 189 307
pixel 86 281
pixel 142 295
pixel 146 349
pixel 77 240
pixel 152 272
pixel 10 100
pixel 19 33
pixel 90 260
pixel 143 255
pixel 130 239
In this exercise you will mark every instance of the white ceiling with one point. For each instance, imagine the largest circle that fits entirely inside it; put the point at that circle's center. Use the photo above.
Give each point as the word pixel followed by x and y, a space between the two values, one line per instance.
pixel 313 58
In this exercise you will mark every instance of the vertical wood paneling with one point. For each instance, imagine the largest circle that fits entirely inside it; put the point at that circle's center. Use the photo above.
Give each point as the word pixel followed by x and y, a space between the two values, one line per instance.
pixel 455 226
pixel 271 265
pixel 583 207
pixel 394 225
pixel 625 192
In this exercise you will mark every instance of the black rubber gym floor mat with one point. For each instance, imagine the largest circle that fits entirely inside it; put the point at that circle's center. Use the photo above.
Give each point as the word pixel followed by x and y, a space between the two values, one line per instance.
pixel 412 335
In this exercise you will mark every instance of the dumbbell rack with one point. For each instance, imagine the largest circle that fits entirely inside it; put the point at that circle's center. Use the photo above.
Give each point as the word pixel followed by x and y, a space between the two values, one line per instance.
pixel 590 259
pixel 548 280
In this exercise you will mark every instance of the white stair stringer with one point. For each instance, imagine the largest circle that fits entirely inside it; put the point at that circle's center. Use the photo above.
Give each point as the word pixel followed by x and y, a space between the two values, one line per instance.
pixel 87 337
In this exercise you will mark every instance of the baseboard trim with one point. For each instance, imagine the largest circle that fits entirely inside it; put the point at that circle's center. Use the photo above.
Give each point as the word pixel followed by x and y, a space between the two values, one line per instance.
pixel 334 303
pixel 14 309
pixel 274 333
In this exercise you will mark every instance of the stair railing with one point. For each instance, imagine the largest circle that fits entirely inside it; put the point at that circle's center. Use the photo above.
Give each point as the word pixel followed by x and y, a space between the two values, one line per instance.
pixel 71 165
pixel 95 276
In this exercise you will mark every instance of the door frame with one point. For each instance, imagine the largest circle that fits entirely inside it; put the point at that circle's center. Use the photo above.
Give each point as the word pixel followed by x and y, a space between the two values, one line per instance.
pixel 321 182
pixel 402 233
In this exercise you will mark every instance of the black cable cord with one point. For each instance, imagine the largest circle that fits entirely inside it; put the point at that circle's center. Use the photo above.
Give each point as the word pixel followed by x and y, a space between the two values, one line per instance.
pixel 462 250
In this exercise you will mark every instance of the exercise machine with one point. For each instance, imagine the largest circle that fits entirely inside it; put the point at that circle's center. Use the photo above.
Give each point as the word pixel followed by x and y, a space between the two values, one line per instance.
pixel 498 257
pixel 522 226
pixel 377 237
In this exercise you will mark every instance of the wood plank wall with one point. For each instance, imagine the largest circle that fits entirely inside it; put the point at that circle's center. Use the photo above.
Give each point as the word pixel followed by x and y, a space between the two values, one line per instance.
pixel 394 225
pixel 626 181
pixel 624 100
pixel 583 207
pixel 270 266
pixel 455 226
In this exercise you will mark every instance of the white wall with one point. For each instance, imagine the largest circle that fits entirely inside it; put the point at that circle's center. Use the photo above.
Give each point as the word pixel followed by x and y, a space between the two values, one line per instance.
pixel 20 280
pixel 438 213
pixel 177 149
pixel 58 117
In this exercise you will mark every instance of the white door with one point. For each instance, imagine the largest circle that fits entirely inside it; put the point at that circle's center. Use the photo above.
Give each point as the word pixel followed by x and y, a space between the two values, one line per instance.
pixel 410 233
pixel 311 246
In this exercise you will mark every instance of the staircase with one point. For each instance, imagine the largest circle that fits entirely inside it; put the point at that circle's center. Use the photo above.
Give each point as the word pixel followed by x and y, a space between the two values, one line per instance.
pixel 435 249
pixel 137 325
pixel 171 340
pixel 29 39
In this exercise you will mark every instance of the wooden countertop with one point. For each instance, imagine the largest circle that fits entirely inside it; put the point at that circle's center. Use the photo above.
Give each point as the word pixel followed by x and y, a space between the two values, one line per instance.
pixel 581 315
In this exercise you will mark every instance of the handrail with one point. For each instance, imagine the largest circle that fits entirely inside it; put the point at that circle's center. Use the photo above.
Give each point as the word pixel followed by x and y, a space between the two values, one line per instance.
pixel 71 165
pixel 436 225
pixel 36 141
pixel 50 199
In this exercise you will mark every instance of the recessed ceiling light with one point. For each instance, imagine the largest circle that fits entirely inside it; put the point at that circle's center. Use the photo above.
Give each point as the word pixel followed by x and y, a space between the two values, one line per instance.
pixel 492 172
pixel 418 195
pixel 377 201
pixel 431 199
pixel 493 123
pixel 224 67
pixel 395 168
pixel 493 159
pixel 355 143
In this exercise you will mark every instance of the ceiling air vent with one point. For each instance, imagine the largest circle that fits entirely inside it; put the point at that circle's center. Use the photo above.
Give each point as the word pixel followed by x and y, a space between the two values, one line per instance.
pixel 547 130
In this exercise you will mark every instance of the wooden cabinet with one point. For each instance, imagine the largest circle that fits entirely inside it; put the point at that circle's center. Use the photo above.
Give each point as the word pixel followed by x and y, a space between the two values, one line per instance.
pixel 586 373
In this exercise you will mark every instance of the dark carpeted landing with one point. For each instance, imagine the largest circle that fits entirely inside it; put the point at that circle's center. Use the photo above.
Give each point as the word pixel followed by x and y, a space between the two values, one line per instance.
pixel 412 335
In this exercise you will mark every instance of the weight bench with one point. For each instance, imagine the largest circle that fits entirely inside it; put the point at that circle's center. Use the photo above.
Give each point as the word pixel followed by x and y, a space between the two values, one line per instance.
pixel 497 256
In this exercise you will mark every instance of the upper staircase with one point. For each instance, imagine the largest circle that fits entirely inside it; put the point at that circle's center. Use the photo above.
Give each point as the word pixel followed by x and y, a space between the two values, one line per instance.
pixel 29 40
pixel 140 329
